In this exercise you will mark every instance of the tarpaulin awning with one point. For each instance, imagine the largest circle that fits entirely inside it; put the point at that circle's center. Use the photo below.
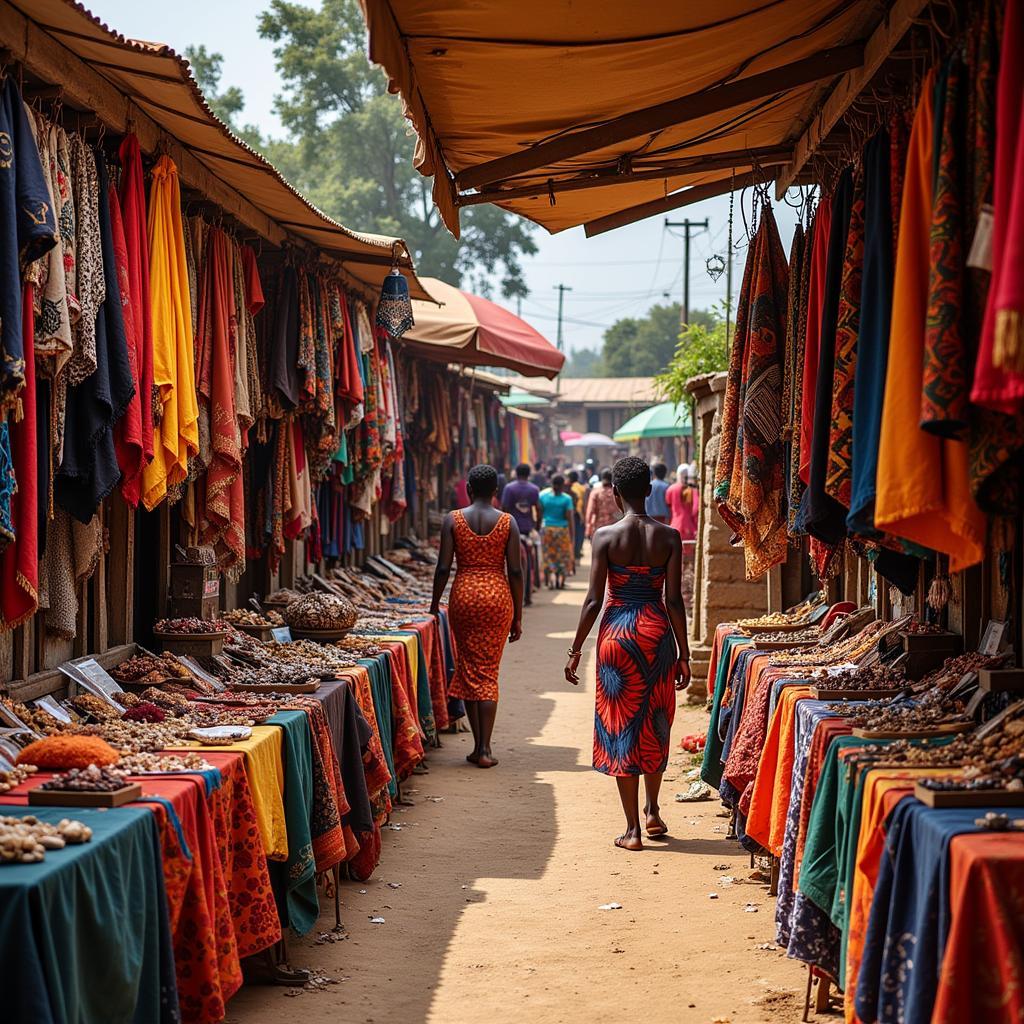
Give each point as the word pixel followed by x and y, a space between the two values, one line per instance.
pixel 477 332
pixel 148 88
pixel 594 113
pixel 663 420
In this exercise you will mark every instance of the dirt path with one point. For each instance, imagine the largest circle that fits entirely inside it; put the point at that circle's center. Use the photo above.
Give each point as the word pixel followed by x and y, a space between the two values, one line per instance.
pixel 496 918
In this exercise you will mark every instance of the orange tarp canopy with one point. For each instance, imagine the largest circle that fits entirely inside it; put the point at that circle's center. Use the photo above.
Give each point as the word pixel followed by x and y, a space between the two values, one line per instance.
pixel 489 80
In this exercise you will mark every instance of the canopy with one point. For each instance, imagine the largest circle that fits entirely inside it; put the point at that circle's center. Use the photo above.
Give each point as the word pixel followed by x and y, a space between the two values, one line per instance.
pixel 477 332
pixel 146 87
pixel 591 441
pixel 597 113
pixel 664 420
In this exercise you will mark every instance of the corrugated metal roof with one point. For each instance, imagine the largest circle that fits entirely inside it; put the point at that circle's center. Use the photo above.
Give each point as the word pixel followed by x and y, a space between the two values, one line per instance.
pixel 606 390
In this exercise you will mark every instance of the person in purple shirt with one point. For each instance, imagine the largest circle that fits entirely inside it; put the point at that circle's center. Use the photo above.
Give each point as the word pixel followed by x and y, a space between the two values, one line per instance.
pixel 522 499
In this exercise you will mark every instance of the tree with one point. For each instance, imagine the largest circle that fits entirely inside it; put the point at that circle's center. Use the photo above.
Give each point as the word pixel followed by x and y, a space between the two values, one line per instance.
pixel 583 362
pixel 207 70
pixel 641 347
pixel 700 350
pixel 349 150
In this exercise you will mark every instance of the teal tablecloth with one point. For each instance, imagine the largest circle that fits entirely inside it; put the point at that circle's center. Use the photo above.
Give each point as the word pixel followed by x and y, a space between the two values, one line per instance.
pixel 84 934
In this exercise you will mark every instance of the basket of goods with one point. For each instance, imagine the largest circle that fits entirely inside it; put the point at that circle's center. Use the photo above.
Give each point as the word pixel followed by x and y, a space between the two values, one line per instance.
pixel 258 624
pixel 320 616
pixel 142 670
pixel 189 635
pixel 92 786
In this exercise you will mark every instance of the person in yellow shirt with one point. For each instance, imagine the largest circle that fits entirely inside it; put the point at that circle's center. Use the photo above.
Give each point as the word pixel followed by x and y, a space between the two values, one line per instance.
pixel 579 498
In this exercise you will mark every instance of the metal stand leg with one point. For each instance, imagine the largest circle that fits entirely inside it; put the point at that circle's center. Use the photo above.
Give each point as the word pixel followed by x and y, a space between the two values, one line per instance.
pixel 336 873
pixel 773 883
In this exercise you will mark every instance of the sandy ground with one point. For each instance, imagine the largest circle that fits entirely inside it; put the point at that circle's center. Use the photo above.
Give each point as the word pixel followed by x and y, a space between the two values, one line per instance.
pixel 501 874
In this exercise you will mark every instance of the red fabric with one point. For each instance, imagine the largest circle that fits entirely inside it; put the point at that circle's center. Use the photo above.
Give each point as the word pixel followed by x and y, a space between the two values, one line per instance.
pixel 375 764
pixel 254 299
pixel 503 334
pixel 128 430
pixel 982 976
pixel 823 736
pixel 430 636
pixel 815 294
pixel 243 858
pixel 133 212
pixel 348 379
pixel 994 387
pixel 223 520
pixel 408 745
pixel 19 564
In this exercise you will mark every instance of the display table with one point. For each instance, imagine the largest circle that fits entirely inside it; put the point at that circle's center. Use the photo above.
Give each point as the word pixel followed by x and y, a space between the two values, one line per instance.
pixel 85 933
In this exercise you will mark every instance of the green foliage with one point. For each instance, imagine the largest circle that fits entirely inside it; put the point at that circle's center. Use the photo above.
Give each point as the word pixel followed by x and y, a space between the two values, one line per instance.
pixel 641 347
pixel 701 349
pixel 349 149
pixel 583 362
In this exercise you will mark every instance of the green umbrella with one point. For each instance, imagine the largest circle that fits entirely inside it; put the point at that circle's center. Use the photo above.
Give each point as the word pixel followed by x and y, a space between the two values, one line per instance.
pixel 664 420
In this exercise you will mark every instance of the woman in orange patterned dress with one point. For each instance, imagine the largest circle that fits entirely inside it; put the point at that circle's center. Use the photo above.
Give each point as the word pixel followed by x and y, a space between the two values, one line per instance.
pixel 486 603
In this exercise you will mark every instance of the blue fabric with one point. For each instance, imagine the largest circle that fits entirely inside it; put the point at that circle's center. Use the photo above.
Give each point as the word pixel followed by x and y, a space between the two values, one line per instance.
pixel 711 766
pixel 556 508
pixel 172 817
pixel 657 503
pixel 85 933
pixel 909 920
pixel 873 336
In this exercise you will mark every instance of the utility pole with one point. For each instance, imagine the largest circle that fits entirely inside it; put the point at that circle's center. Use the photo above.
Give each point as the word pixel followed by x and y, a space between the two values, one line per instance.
pixel 686 225
pixel 561 289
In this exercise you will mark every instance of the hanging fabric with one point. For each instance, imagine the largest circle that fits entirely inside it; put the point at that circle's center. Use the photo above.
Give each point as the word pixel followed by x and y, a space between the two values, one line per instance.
pixel 176 437
pixel 923 493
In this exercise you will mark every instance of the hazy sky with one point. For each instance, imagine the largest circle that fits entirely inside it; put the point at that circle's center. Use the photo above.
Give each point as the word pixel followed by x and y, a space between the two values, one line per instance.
pixel 618 274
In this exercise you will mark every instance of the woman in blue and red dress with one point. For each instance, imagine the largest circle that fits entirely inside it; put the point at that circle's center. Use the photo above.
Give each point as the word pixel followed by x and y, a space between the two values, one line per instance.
pixel 642 651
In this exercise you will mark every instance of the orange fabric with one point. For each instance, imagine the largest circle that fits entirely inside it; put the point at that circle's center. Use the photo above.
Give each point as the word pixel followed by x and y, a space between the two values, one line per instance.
pixel 982 976
pixel 923 487
pixel 769 801
pixel 883 790
pixel 480 608
pixel 375 764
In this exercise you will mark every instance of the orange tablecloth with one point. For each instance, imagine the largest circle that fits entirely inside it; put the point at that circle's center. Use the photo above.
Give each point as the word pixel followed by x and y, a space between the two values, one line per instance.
pixel 982 977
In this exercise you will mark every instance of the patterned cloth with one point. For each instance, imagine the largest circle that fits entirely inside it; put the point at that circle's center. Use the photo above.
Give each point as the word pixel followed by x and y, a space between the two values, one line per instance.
pixel 792 388
pixel 557 550
pixel 601 508
pixel 750 481
pixel 480 608
pixel 636 658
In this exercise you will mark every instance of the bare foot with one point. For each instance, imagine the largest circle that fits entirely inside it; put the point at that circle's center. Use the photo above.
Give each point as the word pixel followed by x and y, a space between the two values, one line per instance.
pixel 486 761
pixel 473 758
pixel 629 841
pixel 655 826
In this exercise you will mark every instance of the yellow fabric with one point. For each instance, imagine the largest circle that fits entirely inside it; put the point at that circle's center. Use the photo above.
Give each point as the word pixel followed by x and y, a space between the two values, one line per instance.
pixel 264 768
pixel 579 493
pixel 412 652
pixel 177 435
pixel 924 493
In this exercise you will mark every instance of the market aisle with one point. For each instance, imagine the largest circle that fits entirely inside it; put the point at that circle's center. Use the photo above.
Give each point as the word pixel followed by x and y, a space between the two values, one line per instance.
pixel 496 918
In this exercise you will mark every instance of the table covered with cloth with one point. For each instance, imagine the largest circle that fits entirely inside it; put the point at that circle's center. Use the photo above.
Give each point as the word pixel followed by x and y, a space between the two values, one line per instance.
pixel 86 933
pixel 910 915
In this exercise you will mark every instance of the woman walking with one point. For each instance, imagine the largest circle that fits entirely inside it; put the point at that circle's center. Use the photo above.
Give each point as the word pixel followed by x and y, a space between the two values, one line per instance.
pixel 557 535
pixel 641 648
pixel 486 602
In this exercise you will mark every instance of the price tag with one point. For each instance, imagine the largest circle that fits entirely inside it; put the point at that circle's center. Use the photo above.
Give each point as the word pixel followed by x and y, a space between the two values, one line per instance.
pixel 992 638
pixel 92 677
pixel 282 634
pixel 51 707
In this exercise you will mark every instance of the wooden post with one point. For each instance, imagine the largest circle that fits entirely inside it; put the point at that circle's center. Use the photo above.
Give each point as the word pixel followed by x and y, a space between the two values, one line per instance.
pixel 120 593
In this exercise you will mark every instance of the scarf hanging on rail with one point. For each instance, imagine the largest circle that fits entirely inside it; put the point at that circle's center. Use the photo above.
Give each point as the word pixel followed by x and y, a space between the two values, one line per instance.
pixel 222 501
pixel 752 500
pixel 796 332
pixel 812 341
pixel 283 383
pixel 133 213
pixel 923 493
pixel 89 470
pixel 176 437
pixel 822 515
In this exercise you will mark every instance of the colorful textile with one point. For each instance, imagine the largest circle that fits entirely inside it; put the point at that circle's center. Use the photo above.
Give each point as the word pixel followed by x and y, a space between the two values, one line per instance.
pixel 821 515
pixel 840 455
pixel 557 550
pixel 636 660
pixel 243 858
pixel 176 437
pixel 77 946
pixel 873 334
pixel 601 508
pixel 480 608
pixel 812 332
pixel 89 470
pixel 222 517
pixel 923 489
pixel 944 398
pixel 983 964
pixel 800 261
pixel 750 479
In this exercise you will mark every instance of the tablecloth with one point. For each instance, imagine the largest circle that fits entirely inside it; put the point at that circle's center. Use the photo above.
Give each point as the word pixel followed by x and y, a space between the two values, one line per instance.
pixel 85 933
